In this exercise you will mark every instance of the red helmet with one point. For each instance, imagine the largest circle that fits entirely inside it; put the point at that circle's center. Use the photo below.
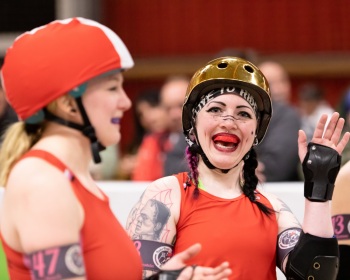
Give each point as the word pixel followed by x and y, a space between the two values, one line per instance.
pixel 52 60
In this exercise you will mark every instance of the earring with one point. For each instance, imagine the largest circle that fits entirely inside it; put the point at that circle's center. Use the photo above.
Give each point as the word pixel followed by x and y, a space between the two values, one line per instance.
pixel 256 141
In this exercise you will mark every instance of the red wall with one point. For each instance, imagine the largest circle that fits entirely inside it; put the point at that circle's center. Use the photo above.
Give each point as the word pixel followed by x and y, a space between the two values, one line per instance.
pixel 159 28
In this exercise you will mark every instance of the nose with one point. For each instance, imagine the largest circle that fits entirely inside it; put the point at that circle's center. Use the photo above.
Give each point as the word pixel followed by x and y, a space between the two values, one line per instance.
pixel 229 122
pixel 125 102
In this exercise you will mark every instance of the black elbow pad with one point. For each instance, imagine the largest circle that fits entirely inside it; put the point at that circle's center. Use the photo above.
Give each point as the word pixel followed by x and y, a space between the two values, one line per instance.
pixel 314 258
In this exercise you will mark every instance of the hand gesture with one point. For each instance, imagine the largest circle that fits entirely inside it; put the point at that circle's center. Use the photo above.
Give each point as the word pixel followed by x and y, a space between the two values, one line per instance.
pixel 328 136
pixel 178 261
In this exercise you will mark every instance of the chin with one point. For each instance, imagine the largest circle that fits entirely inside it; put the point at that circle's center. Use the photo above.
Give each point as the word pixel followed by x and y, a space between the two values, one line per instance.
pixel 110 141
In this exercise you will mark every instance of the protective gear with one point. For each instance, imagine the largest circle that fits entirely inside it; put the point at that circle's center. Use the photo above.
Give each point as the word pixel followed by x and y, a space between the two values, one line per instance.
pixel 314 258
pixel 320 166
pixel 286 242
pixel 154 254
pixel 341 225
pixel 59 58
pixel 229 72
pixel 344 270
pixel 58 262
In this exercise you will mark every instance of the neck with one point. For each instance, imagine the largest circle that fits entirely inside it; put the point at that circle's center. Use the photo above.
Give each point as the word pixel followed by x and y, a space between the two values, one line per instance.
pixel 69 145
pixel 224 185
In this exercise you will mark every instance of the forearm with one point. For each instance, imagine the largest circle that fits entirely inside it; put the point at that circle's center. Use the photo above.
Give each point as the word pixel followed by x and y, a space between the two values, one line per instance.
pixel 317 219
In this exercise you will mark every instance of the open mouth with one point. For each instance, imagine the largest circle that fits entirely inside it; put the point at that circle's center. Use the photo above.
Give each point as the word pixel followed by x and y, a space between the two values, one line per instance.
pixel 226 141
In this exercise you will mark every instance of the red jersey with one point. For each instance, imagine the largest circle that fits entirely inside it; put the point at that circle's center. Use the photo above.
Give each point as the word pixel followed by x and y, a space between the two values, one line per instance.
pixel 109 253
pixel 232 230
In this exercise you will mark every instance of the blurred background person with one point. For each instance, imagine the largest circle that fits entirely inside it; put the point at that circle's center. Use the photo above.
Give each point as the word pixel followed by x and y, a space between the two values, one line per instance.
pixel 172 95
pixel 7 115
pixel 145 160
pixel 278 153
pixel 312 104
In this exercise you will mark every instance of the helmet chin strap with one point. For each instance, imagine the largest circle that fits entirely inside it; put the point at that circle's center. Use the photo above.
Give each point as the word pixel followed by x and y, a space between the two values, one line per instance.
pixel 198 149
pixel 86 128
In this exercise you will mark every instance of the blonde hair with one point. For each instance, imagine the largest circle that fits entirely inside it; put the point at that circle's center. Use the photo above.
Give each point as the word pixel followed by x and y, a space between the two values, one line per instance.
pixel 17 141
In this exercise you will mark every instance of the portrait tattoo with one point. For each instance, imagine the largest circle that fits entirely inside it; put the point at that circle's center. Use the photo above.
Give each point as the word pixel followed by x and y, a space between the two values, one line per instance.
pixel 151 220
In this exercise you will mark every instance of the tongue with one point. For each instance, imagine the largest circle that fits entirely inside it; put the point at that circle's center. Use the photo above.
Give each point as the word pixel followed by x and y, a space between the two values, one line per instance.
pixel 225 138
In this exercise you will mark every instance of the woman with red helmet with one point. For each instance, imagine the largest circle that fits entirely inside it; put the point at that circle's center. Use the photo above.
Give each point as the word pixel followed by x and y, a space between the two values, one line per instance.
pixel 218 203
pixel 65 82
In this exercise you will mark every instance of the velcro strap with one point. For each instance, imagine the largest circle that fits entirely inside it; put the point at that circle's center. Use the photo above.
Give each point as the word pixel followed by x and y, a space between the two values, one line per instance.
pixel 320 166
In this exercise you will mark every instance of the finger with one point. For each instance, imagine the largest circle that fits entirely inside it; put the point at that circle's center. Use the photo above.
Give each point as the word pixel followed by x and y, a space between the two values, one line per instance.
pixel 189 253
pixel 338 131
pixel 343 142
pixel 318 133
pixel 302 144
pixel 329 131
pixel 223 275
pixel 186 274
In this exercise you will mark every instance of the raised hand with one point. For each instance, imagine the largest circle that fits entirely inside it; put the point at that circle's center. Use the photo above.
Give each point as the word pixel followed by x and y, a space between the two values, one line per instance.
pixel 328 136
pixel 178 261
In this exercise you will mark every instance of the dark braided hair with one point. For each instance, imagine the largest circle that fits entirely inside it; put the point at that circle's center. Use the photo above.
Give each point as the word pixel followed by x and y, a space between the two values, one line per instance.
pixel 251 181
pixel 192 159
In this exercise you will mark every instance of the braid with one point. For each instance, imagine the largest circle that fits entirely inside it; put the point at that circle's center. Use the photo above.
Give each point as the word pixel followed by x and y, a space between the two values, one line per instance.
pixel 192 159
pixel 251 181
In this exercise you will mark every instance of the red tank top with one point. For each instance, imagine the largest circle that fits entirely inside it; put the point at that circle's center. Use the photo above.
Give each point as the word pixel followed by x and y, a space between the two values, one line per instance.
pixel 233 230
pixel 109 253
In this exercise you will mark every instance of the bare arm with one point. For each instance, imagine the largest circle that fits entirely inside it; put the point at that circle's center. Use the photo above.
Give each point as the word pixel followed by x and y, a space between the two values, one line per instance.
pixel 41 217
pixel 317 215
pixel 152 223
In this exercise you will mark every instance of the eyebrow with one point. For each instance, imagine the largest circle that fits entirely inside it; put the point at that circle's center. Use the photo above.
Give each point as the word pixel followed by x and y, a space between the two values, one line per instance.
pixel 115 78
pixel 224 104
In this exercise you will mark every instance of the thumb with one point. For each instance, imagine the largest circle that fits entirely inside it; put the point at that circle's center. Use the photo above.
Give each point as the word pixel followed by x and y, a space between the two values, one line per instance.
pixel 189 253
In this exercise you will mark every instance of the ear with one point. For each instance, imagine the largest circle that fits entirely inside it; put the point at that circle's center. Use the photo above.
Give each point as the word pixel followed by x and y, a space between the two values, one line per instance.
pixel 67 105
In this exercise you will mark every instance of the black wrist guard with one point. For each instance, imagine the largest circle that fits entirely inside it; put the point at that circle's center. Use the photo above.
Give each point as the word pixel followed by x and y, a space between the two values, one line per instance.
pixel 320 166
pixel 166 275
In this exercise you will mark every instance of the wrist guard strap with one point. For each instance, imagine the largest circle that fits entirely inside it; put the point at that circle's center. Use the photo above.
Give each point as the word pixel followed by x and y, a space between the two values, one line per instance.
pixel 320 166
pixel 166 275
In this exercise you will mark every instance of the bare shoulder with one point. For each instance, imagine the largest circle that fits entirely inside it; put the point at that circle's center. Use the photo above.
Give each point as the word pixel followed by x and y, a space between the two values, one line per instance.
pixel 284 215
pixel 37 193
pixel 272 198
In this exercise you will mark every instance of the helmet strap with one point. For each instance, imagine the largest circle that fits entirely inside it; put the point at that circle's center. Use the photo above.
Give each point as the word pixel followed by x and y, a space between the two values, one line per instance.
pixel 198 149
pixel 86 129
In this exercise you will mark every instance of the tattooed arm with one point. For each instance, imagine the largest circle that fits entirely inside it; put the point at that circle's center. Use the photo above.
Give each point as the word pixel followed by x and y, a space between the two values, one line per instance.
pixel 289 229
pixel 152 223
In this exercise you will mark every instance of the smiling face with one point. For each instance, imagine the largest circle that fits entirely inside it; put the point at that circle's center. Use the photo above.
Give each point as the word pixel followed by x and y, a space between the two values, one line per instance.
pixel 105 102
pixel 226 128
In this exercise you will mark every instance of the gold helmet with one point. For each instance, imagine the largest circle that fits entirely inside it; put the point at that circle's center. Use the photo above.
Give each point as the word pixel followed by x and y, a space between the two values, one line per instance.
pixel 229 71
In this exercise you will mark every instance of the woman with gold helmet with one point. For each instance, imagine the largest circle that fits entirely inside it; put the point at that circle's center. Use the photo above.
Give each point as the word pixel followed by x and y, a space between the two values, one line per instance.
pixel 226 113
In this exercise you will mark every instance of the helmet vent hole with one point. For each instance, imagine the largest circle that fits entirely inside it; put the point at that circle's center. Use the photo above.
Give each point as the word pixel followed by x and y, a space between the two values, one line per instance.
pixel 222 65
pixel 248 68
